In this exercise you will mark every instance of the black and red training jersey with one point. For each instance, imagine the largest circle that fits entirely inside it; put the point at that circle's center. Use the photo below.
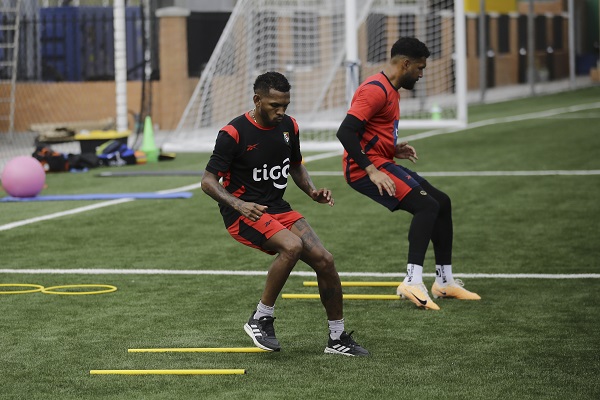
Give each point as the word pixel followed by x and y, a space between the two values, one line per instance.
pixel 254 162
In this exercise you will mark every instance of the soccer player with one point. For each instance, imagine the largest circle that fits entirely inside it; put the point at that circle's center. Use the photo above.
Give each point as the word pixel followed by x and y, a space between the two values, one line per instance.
pixel 254 154
pixel 369 134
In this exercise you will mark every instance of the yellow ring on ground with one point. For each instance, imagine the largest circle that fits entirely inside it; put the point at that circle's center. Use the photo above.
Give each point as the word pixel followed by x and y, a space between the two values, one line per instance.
pixel 38 288
pixel 52 289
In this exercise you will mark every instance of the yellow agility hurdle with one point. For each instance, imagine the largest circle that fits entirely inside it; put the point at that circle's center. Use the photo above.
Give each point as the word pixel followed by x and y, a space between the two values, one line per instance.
pixel 201 350
pixel 167 372
pixel 358 283
pixel 346 296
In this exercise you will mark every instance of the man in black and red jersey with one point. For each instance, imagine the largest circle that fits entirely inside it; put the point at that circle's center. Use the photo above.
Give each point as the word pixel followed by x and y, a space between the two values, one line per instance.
pixel 369 134
pixel 253 155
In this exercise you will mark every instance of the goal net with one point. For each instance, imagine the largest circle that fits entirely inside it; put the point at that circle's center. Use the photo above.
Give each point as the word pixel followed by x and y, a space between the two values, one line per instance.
pixel 58 74
pixel 306 40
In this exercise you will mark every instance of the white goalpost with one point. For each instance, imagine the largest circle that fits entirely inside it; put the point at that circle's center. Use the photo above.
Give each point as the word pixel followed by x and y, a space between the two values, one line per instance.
pixel 325 48
pixel 120 65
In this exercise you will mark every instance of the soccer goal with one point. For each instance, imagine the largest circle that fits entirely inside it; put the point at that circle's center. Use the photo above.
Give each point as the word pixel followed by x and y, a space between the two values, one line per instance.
pixel 325 48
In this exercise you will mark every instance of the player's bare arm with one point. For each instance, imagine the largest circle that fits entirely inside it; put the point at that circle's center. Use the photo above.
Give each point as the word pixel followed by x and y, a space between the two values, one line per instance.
pixel 212 187
pixel 302 179
pixel 406 152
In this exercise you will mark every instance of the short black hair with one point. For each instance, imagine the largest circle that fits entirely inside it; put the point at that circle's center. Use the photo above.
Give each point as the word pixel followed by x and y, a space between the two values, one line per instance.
pixel 271 80
pixel 410 47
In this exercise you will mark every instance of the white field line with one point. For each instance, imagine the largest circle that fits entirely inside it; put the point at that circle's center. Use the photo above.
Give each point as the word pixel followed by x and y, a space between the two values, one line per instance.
pixel 323 156
pixel 105 271
pixel 523 117
pixel 578 116
pixel 484 173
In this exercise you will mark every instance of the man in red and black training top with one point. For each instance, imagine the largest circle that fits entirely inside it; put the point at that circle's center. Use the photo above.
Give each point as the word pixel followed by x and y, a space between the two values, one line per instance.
pixel 369 134
pixel 254 154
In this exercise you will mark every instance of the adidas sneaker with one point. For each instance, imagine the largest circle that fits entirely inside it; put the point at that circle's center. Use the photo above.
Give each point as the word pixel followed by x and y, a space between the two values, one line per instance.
pixel 262 332
pixel 345 346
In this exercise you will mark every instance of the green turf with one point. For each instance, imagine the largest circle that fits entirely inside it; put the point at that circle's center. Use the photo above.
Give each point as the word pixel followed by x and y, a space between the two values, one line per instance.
pixel 527 338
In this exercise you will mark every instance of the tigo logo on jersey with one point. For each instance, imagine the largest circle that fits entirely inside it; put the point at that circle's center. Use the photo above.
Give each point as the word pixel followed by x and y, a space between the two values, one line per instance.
pixel 275 173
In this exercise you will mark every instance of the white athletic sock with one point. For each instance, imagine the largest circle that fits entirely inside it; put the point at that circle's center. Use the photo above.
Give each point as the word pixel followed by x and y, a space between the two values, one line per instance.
pixel 443 274
pixel 414 274
pixel 336 327
pixel 263 311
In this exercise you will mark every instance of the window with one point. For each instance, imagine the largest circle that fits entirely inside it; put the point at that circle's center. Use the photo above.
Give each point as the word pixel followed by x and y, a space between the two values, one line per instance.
pixel 407 25
pixel 265 32
pixel 377 48
pixel 305 27
pixel 540 32
pixel 557 32
pixel 503 34
pixel 487 33
pixel 434 35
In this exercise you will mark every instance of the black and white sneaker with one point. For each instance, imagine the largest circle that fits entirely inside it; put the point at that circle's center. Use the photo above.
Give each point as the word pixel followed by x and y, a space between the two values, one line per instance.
pixel 262 333
pixel 345 346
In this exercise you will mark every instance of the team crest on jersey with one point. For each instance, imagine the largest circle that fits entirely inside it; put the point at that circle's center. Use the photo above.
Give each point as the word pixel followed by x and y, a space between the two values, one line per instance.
pixel 286 136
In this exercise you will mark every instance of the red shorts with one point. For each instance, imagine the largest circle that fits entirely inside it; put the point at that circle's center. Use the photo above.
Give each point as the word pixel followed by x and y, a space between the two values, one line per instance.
pixel 255 233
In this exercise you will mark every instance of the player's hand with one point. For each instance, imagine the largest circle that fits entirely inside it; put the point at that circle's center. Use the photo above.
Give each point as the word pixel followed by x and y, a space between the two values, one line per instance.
pixel 381 180
pixel 252 211
pixel 406 152
pixel 322 196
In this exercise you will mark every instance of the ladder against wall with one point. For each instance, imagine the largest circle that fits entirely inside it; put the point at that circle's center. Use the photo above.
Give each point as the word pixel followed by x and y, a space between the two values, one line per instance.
pixel 9 47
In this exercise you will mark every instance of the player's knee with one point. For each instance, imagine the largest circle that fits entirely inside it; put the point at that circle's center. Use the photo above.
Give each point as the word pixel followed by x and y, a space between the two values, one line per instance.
pixel 327 261
pixel 324 263
pixel 418 201
pixel 436 207
pixel 292 249
pixel 445 203
pixel 429 205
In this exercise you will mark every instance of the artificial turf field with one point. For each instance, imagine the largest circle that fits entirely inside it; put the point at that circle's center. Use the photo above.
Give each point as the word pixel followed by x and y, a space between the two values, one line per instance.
pixel 528 338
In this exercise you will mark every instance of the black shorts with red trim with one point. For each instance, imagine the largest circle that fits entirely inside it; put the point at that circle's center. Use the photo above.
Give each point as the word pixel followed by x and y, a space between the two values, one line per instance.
pixel 255 233
pixel 405 181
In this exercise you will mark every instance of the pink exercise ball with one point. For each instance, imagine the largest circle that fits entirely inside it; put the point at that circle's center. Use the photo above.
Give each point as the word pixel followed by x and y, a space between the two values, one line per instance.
pixel 23 176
